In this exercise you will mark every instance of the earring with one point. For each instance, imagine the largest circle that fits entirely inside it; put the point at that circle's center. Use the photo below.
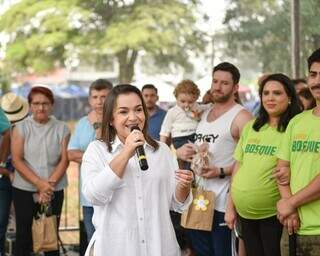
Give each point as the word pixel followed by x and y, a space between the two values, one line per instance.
pixel 289 102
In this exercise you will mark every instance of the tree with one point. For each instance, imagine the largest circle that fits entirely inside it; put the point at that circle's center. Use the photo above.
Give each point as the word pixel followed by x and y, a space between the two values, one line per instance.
pixel 261 29
pixel 49 33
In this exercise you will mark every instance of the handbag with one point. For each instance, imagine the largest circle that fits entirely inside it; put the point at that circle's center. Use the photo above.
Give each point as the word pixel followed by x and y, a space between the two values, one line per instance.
pixel 44 231
pixel 200 213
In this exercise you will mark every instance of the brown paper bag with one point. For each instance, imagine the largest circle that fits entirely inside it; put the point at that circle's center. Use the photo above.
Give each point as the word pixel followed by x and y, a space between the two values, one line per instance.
pixel 44 233
pixel 199 215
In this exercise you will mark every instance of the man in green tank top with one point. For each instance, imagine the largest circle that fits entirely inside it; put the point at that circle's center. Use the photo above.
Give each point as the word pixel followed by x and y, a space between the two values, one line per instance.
pixel 300 150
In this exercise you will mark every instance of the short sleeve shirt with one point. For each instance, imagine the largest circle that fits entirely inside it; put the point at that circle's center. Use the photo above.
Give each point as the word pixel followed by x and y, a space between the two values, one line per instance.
pixel 254 193
pixel 301 147
pixel 178 123
pixel 84 133
pixel 155 122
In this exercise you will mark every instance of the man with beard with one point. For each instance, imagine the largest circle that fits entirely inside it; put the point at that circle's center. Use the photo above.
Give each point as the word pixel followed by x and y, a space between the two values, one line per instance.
pixel 300 151
pixel 155 113
pixel 220 126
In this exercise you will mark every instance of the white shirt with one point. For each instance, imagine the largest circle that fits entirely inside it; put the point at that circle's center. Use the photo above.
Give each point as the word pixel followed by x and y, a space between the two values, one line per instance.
pixel 131 215
pixel 178 123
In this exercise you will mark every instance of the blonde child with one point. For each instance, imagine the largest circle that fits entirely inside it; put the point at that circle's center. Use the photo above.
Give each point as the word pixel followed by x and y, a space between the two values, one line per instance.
pixel 181 121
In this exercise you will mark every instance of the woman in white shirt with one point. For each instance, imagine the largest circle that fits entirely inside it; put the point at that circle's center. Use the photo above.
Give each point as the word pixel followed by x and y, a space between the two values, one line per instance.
pixel 131 206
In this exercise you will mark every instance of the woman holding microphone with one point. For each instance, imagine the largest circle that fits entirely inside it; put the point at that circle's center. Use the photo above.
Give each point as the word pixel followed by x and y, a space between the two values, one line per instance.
pixel 131 206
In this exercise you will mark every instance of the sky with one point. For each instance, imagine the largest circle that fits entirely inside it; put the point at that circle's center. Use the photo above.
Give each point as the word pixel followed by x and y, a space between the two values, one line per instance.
pixel 215 9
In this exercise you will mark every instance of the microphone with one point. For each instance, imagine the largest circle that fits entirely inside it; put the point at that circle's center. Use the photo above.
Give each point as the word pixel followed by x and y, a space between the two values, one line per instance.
pixel 141 154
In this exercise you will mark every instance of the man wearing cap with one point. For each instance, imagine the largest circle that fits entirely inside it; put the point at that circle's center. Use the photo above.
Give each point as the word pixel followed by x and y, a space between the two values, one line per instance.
pixel 13 109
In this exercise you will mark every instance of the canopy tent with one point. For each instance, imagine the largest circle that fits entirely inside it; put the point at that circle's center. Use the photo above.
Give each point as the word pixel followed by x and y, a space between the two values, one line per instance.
pixel 71 101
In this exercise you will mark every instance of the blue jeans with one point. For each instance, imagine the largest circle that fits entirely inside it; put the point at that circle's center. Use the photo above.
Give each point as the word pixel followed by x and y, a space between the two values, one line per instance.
pixel 87 212
pixel 179 142
pixel 5 203
pixel 214 243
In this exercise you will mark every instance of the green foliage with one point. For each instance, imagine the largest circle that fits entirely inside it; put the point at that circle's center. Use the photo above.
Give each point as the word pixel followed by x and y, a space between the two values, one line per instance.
pixel 46 33
pixel 4 83
pixel 262 29
pixel 163 31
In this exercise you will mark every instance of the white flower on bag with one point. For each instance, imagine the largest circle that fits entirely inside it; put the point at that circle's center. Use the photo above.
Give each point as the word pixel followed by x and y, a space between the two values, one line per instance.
pixel 201 203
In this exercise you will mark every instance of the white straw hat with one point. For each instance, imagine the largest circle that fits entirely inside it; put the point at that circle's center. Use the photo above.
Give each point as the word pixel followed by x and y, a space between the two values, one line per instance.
pixel 15 107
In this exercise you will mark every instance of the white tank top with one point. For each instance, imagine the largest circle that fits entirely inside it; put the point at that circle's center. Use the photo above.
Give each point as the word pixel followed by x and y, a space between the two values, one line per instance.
pixel 221 147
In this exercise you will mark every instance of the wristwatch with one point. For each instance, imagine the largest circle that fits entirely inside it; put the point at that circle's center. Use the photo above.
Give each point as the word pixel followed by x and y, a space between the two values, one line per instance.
pixel 222 174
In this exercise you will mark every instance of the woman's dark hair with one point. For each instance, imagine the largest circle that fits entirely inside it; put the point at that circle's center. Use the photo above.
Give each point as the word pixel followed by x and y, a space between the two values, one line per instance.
pixel 292 109
pixel 305 93
pixel 314 57
pixel 108 132
pixel 41 90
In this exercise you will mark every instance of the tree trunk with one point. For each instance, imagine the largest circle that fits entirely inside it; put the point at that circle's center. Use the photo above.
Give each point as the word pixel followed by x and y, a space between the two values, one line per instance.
pixel 126 60
pixel 295 38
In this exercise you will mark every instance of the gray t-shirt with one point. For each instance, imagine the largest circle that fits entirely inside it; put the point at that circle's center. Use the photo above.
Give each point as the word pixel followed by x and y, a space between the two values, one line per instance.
pixel 42 150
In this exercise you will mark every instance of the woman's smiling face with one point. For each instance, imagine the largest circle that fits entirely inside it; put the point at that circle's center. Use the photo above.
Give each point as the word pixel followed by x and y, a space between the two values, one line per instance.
pixel 128 113
pixel 274 98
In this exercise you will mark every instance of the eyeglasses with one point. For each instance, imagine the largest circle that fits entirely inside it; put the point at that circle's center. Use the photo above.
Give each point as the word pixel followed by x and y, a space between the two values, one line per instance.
pixel 43 104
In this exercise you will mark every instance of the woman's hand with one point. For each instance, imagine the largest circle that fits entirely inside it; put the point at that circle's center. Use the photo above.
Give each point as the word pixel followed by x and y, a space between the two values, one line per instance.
pixel 282 175
pixel 186 152
pixel 134 139
pixel 44 187
pixel 184 178
pixel 45 198
pixel 230 217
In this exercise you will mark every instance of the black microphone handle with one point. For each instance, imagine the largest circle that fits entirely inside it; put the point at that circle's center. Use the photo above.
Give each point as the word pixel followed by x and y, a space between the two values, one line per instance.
pixel 142 158
pixel 141 154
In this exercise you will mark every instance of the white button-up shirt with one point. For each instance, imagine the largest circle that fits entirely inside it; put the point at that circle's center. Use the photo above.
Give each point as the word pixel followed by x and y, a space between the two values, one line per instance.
pixel 131 214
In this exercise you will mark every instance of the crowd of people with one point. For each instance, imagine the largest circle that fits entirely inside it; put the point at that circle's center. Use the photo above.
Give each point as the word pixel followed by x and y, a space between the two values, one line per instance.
pixel 263 167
